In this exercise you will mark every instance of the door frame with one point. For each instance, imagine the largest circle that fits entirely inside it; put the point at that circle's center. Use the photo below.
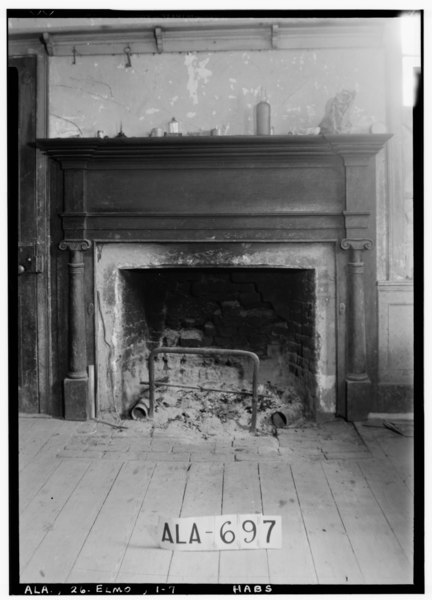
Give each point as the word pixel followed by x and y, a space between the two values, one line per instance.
pixel 30 59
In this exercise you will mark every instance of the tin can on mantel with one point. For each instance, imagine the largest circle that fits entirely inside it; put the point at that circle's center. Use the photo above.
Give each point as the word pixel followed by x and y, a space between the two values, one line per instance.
pixel 157 132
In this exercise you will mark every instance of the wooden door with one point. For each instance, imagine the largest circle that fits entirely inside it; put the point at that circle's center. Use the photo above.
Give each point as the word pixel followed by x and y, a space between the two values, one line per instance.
pixel 22 113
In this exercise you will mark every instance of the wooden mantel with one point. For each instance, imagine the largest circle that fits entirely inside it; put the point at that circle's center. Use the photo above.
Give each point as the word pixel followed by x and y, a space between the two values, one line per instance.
pixel 233 186
pixel 258 189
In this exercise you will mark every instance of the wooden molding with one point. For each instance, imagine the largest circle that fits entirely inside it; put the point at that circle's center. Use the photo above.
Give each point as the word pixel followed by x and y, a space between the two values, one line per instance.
pixel 252 34
pixel 196 150
pixel 357 149
pixel 24 44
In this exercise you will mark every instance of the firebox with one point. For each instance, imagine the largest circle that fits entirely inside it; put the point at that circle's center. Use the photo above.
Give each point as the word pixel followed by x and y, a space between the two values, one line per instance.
pixel 264 244
pixel 270 312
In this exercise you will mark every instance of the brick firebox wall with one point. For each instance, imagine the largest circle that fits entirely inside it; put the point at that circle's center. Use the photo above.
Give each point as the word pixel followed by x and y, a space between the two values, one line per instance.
pixel 268 311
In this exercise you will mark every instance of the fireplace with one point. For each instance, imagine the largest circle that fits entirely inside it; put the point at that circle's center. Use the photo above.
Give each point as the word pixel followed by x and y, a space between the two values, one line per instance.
pixel 264 244
pixel 275 300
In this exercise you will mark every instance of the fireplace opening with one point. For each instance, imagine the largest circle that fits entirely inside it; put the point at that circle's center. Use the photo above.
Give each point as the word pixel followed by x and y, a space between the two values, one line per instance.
pixel 268 311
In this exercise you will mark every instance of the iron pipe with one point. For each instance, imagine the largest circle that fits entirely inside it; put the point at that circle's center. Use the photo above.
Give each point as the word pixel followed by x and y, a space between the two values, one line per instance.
pixel 205 352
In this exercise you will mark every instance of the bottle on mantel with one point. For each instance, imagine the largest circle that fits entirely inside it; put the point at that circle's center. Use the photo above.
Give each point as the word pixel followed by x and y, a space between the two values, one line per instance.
pixel 263 114
pixel 173 126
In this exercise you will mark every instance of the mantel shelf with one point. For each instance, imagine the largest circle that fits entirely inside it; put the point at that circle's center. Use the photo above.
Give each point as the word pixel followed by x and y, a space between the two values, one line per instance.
pixel 199 147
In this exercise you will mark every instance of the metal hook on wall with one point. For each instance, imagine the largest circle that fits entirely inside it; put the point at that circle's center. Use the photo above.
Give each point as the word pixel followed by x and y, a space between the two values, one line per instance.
pixel 127 51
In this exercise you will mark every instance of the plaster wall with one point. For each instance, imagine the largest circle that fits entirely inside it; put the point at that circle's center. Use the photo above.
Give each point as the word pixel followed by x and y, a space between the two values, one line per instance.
pixel 208 90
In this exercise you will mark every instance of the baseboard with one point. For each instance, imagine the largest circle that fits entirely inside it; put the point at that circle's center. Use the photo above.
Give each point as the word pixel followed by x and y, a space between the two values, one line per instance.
pixel 394 398
pixel 409 416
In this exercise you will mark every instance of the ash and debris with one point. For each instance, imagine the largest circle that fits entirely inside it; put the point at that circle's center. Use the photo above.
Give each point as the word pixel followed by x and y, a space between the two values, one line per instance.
pixel 207 414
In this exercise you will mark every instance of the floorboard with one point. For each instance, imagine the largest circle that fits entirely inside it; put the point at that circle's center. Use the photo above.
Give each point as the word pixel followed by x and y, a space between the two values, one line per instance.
pixel 109 535
pixel 370 437
pixel 59 550
pixel 293 563
pixel 377 549
pixel 203 497
pixel 144 560
pixel 242 495
pixel 333 556
pixel 394 498
pixel 28 423
pixel 55 443
pixel 33 477
pixel 32 438
pixel 39 516
pixel 399 451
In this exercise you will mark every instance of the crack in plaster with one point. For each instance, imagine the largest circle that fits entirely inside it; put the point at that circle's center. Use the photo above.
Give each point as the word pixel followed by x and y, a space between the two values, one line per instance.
pixel 92 94
pixel 67 121
pixel 94 81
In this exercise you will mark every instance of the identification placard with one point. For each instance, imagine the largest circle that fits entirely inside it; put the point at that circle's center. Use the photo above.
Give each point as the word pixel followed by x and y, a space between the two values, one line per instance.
pixel 222 532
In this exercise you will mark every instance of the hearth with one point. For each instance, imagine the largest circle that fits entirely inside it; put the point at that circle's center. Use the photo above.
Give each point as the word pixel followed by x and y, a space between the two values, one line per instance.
pixel 262 244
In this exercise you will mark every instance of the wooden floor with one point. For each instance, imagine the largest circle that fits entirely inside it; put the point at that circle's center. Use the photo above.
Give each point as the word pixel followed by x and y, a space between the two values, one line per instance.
pixel 90 497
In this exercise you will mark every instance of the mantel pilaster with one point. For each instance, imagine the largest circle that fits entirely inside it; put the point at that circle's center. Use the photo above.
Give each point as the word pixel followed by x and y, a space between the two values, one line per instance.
pixel 76 382
pixel 357 377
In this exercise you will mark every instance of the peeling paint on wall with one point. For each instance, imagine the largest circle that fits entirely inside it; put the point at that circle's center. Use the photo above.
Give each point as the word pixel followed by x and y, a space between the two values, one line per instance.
pixel 207 90
pixel 197 74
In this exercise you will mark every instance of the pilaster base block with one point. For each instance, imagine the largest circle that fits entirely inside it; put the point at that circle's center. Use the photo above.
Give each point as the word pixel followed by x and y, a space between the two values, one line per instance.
pixel 359 400
pixel 76 399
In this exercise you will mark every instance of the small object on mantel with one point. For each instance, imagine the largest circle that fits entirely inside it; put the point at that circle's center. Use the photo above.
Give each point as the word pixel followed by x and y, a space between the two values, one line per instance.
pixel 305 131
pixel 173 126
pixel 120 133
pixel 337 111
pixel 201 133
pixel 157 132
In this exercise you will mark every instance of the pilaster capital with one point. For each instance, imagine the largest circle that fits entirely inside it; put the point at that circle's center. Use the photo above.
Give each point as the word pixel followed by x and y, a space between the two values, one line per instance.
pixel 75 245
pixel 359 244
